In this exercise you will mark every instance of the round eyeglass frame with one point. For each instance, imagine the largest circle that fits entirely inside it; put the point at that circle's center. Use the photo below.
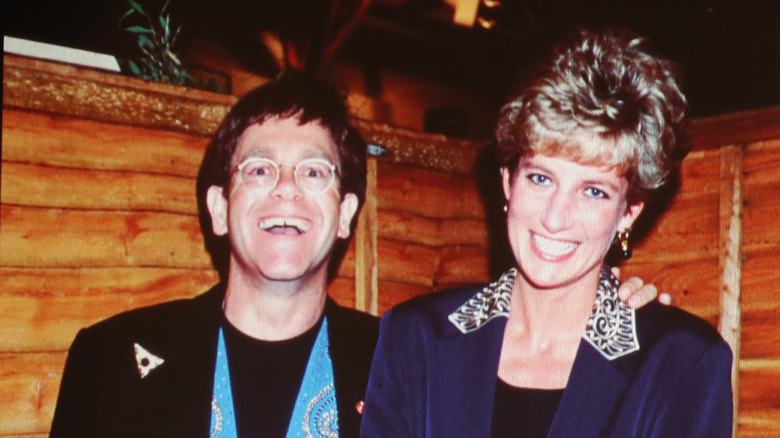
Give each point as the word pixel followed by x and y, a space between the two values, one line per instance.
pixel 278 167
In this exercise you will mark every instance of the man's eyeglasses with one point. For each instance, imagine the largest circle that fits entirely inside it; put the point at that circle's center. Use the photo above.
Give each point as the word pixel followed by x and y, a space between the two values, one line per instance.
pixel 313 175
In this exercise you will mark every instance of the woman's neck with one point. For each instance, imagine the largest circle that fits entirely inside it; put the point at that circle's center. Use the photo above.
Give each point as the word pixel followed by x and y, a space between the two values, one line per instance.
pixel 543 332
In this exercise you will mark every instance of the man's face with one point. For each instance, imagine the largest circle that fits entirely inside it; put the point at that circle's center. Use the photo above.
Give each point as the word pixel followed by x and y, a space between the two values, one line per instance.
pixel 282 233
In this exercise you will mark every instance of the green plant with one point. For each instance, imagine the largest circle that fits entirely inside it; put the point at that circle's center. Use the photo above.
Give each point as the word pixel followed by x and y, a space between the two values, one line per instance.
pixel 155 40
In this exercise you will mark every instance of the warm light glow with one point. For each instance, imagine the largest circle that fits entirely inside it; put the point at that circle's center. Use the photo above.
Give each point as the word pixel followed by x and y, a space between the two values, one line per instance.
pixel 465 11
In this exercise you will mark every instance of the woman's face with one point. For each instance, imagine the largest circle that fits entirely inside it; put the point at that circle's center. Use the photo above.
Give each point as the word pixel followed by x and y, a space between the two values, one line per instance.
pixel 562 217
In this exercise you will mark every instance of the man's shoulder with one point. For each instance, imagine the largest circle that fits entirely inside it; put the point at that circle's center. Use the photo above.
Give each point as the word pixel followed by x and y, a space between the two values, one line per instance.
pixel 159 317
pixel 346 319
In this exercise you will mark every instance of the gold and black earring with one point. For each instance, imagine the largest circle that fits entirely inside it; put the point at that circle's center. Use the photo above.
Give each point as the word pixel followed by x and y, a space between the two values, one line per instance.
pixel 625 246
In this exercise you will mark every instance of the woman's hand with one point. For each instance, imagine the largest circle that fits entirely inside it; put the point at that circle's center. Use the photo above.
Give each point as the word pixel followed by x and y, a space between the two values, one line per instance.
pixel 636 293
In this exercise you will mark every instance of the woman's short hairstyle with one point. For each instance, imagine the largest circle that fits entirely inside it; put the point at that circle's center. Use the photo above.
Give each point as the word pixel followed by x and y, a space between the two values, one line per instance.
pixel 297 95
pixel 606 84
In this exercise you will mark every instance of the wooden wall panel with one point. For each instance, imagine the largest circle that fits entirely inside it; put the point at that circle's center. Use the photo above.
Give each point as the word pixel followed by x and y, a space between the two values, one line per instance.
pixel 759 399
pixel 63 141
pixel 98 216
pixel 28 390
pixel 394 293
pixel 429 193
pixel 404 226
pixel 41 309
pixel 75 238
pixel 46 186
pixel 680 255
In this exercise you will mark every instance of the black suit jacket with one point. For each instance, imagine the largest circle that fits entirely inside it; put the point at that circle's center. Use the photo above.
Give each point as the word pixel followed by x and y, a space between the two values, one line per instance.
pixel 102 393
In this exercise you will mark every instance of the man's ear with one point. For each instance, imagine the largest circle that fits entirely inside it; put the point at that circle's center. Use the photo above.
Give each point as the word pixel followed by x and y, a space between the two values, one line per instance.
pixel 217 204
pixel 347 211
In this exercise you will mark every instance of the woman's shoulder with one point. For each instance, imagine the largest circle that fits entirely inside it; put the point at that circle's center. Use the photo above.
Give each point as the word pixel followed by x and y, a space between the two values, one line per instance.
pixel 444 301
pixel 674 329
pixel 430 311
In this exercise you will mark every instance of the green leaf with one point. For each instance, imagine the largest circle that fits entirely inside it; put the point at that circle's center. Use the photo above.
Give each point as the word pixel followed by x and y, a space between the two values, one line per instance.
pixel 127 14
pixel 136 6
pixel 164 25
pixel 143 41
pixel 134 68
pixel 173 57
pixel 139 30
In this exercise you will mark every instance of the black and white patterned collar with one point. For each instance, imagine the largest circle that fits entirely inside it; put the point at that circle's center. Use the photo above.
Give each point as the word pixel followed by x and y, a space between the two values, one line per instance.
pixel 611 328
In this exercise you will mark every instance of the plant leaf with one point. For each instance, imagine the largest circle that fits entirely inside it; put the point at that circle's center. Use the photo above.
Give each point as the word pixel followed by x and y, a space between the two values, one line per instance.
pixel 139 30
pixel 144 41
pixel 134 67
pixel 136 6
pixel 173 57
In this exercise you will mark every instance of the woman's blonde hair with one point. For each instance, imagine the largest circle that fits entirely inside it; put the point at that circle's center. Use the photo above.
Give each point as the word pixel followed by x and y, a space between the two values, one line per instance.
pixel 600 84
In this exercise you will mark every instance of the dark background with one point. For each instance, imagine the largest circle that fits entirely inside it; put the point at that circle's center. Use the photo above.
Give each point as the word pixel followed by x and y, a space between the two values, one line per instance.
pixel 728 50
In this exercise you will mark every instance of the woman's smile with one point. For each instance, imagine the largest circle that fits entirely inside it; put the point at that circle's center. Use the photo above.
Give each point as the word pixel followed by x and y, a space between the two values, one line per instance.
pixel 553 249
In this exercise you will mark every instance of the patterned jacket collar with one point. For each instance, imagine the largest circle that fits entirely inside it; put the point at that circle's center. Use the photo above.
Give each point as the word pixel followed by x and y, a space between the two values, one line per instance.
pixel 611 329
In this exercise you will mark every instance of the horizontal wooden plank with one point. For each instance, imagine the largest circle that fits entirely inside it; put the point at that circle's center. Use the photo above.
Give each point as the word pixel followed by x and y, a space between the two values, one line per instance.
pixel 737 128
pixel 34 237
pixel 342 290
pixel 759 384
pixel 462 265
pixel 406 263
pixel 422 149
pixel 407 227
pixel 687 230
pixel 758 423
pixel 762 197
pixel 57 187
pixel 81 92
pixel 700 173
pixel 694 284
pixel 428 193
pixel 398 261
pixel 761 162
pixel 29 384
pixel 26 435
pixel 42 309
pixel 392 293
pixel 760 306
pixel 76 143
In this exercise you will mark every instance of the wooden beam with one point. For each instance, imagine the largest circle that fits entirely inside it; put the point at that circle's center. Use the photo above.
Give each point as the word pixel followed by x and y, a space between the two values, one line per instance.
pixel 366 268
pixel 731 258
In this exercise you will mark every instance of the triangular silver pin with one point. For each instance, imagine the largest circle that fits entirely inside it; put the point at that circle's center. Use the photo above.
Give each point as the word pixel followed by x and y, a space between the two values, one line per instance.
pixel 146 361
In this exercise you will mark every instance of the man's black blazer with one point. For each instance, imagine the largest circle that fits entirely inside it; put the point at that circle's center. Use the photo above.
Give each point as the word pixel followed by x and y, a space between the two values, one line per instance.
pixel 103 394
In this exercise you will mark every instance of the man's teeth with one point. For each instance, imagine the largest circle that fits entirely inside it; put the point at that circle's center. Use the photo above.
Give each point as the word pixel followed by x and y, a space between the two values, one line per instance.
pixel 285 222
pixel 553 247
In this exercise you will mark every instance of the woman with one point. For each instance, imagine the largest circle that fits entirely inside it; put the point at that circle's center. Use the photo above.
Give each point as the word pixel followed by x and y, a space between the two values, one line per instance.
pixel 582 149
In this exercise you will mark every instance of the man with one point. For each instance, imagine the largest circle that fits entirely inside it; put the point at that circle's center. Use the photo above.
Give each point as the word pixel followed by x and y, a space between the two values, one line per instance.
pixel 283 179
pixel 265 352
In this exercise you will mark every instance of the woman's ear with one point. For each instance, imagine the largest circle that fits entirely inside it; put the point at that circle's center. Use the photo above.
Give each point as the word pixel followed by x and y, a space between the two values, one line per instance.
pixel 217 204
pixel 506 182
pixel 632 213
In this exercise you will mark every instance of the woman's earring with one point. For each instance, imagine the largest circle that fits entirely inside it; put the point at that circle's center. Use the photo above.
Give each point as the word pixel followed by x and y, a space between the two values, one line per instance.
pixel 506 208
pixel 625 247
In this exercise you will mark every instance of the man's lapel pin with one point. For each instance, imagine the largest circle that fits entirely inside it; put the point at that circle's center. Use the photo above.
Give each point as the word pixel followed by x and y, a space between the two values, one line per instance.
pixel 145 361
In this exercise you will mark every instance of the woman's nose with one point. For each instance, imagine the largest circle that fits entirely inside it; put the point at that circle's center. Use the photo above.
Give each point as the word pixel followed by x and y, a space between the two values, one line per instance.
pixel 558 212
